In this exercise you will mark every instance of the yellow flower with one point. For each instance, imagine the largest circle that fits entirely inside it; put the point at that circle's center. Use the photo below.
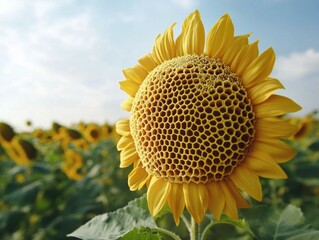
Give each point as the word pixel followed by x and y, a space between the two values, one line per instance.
pixel 80 143
pixel 21 151
pixel 107 130
pixel 204 121
pixel 6 134
pixel 42 136
pixel 71 133
pixel 56 127
pixel 72 165
pixel 66 136
pixel 92 133
pixel 20 178
pixel 304 125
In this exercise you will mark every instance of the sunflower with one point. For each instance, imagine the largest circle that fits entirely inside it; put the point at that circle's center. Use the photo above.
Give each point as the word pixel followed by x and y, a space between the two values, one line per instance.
pixel 20 178
pixel 304 125
pixel 92 133
pixel 107 130
pixel 203 124
pixel 6 134
pixel 66 135
pixel 73 165
pixel 21 151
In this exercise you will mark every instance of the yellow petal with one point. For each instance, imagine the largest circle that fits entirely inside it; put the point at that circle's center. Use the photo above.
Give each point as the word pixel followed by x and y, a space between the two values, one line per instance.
pixel 241 202
pixel 176 201
pixel 259 69
pixel 192 38
pixel 137 178
pixel 280 151
pixel 247 181
pixel 157 194
pixel 124 141
pixel 129 87
pixel 264 165
pixel 180 39
pixel 274 128
pixel 232 51
pixel 128 155
pixel 196 200
pixel 246 55
pixel 216 199
pixel 230 207
pixel 127 104
pixel 164 47
pixel 123 127
pixel 276 105
pixel 148 181
pixel 220 37
pixel 136 74
pixel 147 62
pixel 264 90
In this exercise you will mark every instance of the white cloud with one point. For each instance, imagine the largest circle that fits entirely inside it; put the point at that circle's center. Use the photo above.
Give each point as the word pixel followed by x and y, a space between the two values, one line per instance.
pixel 53 70
pixel 185 4
pixel 41 8
pixel 58 50
pixel 298 66
pixel 299 73
pixel 10 7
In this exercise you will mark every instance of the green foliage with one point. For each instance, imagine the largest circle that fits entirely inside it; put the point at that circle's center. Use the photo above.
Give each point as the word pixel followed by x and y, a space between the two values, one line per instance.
pixel 40 201
pixel 277 223
pixel 141 234
pixel 116 224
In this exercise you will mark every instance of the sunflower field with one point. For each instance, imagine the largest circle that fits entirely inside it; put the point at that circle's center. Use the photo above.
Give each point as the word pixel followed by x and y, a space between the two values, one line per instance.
pixel 208 152
pixel 54 180
pixel 67 179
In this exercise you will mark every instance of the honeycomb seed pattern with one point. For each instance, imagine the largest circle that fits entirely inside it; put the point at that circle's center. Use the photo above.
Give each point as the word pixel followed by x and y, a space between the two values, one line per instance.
pixel 192 121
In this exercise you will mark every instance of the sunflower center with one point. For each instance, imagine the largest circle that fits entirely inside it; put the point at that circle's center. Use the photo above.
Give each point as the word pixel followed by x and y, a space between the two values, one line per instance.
pixel 192 120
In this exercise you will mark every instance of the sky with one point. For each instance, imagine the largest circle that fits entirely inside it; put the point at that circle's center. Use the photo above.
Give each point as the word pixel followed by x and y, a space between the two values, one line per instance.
pixel 61 60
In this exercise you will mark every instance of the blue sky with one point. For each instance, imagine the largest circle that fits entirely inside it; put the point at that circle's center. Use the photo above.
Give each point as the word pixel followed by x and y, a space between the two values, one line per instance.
pixel 61 60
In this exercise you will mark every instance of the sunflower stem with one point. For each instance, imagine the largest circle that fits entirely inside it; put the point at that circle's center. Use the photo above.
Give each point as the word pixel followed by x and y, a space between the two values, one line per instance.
pixel 187 223
pixel 168 233
pixel 194 230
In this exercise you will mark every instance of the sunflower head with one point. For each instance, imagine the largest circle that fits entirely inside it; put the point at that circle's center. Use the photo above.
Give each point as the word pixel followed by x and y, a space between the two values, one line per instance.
pixel 21 151
pixel 28 123
pixel 81 143
pixel 56 127
pixel 92 133
pixel 107 130
pixel 42 135
pixel 72 134
pixel 20 178
pixel 73 165
pixel 204 122
pixel 6 133
pixel 304 125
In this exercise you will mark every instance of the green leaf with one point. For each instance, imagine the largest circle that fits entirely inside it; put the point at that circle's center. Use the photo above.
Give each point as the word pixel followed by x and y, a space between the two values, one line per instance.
pixel 10 220
pixel 141 234
pixel 277 224
pixel 314 146
pixel 116 224
pixel 227 228
pixel 308 174
pixel 236 222
pixel 314 235
pixel 25 194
